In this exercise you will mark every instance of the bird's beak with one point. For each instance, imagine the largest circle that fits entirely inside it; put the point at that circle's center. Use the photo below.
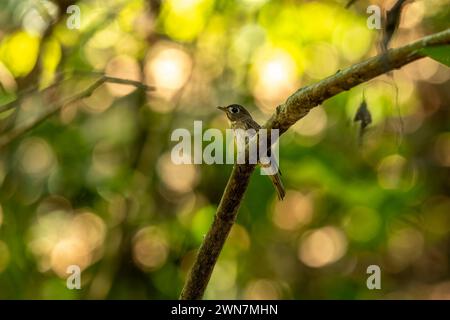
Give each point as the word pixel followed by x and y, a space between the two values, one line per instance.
pixel 224 109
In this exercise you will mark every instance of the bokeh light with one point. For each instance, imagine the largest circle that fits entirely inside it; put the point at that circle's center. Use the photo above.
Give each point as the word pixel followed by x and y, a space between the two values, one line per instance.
pixel 35 157
pixel 124 67
pixel 67 252
pixel 35 22
pixel 294 211
pixel 323 60
pixel 5 256
pixel 405 245
pixel 275 75
pixel 150 248
pixel 394 173
pixel 322 247
pixel 185 18
pixel 436 215
pixel 1 215
pixel 6 78
pixel 94 185
pixel 312 125
pixel 413 15
pixel 60 239
pixel 262 289
pixel 18 52
pixel 239 237
pixel 99 102
pixel 105 160
pixel 442 149
pixel 362 224
pixel 223 279
pixel 168 68
pixel 179 178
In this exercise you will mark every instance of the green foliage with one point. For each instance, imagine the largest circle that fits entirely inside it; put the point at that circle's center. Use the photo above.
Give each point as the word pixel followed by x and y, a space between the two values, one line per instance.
pixel 94 185
pixel 441 54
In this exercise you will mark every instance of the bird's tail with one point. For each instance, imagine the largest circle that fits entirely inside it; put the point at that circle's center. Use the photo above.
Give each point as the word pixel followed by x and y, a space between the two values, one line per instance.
pixel 278 184
pixel 272 170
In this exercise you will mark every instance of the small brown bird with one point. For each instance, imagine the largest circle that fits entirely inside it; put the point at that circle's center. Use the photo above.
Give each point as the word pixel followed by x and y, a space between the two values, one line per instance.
pixel 240 118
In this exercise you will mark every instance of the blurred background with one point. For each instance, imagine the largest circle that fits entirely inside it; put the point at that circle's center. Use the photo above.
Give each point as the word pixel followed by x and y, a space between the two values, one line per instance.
pixel 94 184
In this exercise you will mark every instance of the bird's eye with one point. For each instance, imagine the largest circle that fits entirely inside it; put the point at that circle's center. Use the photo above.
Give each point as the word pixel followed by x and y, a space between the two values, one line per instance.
pixel 234 110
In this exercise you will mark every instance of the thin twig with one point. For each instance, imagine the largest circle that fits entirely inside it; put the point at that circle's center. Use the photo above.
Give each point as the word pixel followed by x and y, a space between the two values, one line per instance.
pixel 296 107
pixel 60 78
pixel 10 136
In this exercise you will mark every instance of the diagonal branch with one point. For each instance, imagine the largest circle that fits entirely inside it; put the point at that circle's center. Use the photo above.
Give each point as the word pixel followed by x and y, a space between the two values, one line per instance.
pixel 13 134
pixel 296 107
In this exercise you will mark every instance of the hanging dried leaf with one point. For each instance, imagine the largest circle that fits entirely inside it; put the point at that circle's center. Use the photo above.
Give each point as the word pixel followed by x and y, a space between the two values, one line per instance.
pixel 363 115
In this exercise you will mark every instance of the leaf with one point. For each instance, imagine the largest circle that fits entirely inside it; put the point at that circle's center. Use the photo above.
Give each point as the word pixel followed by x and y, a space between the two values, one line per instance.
pixel 363 114
pixel 440 54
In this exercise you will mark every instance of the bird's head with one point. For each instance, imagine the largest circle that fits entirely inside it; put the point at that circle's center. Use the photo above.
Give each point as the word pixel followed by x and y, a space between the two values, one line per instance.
pixel 235 112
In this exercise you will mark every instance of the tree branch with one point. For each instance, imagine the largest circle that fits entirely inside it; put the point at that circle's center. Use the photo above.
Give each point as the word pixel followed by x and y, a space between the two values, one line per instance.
pixel 296 107
pixel 10 136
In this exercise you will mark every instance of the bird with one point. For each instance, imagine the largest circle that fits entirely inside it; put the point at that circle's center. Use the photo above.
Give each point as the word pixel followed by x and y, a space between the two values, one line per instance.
pixel 240 118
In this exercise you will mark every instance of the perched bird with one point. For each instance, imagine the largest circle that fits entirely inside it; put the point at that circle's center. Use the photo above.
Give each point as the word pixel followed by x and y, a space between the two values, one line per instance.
pixel 240 118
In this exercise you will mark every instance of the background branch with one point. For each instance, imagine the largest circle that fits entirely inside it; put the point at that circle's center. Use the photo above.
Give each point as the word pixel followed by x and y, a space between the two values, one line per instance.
pixel 295 108
pixel 13 134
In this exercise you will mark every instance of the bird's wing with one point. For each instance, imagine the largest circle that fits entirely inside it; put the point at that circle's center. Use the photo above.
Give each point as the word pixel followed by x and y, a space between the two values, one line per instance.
pixel 252 124
pixel 271 169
